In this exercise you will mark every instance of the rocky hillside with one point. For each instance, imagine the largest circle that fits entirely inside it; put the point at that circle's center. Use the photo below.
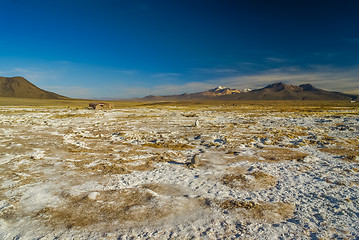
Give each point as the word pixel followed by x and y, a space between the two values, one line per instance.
pixel 209 94
pixel 282 91
pixel 220 91
pixel 19 87
pixel 275 91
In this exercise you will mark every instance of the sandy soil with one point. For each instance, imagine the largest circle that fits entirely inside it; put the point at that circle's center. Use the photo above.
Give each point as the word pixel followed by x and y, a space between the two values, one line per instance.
pixel 127 173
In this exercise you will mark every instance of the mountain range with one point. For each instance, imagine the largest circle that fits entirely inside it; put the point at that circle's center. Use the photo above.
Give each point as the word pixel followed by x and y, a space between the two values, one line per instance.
pixel 276 91
pixel 22 88
pixel 19 87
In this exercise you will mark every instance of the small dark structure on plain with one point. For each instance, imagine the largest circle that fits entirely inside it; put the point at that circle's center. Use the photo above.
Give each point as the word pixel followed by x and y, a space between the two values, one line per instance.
pixel 98 106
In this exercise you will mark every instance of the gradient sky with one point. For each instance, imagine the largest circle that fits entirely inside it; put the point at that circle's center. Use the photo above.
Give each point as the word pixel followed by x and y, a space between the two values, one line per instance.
pixel 134 48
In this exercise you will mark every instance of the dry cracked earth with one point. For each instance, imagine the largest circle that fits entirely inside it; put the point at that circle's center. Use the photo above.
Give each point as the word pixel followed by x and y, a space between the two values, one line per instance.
pixel 127 173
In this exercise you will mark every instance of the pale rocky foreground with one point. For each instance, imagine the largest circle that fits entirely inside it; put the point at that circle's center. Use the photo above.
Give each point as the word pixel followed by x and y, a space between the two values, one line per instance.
pixel 167 172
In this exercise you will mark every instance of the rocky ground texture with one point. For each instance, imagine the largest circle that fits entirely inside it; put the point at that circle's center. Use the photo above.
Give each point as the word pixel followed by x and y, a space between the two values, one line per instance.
pixel 179 172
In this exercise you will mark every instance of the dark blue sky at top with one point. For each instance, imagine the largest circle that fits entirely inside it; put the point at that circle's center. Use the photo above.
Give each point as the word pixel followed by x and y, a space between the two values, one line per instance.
pixel 150 44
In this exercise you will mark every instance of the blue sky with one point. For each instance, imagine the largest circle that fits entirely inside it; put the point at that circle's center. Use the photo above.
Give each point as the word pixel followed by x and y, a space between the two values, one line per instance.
pixel 134 48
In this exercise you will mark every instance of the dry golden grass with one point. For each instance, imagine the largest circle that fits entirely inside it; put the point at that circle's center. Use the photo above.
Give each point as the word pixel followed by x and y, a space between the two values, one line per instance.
pixel 189 115
pixel 106 161
pixel 253 181
pixel 112 167
pixel 71 103
pixel 258 108
pixel 121 205
pixel 287 133
pixel 147 166
pixel 95 148
pixel 172 146
pixel 339 151
pixel 104 168
pixel 162 157
pixel 136 117
pixel 353 143
pixel 86 164
pixel 346 153
pixel 15 111
pixel 296 107
pixel 240 158
pixel 272 212
pixel 9 213
pixel 276 154
pixel 72 115
pixel 233 204
pixel 129 207
pixel 28 172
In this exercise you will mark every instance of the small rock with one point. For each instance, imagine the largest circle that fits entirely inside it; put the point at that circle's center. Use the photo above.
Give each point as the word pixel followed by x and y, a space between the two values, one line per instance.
pixel 250 169
pixel 195 159
pixel 308 159
pixel 196 124
pixel 341 183
pixel 350 157
pixel 197 137
pixel 93 195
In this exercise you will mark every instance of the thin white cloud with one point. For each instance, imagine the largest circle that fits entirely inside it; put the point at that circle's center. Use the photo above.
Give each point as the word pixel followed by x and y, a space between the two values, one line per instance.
pixel 184 88
pixel 34 75
pixel 325 77
pixel 128 72
pixel 73 91
pixel 168 89
pixel 214 70
pixel 165 75
pixel 276 60
pixel 322 76
pixel 29 73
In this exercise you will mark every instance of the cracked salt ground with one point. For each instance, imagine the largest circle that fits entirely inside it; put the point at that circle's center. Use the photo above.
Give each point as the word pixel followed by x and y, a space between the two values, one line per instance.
pixel 127 173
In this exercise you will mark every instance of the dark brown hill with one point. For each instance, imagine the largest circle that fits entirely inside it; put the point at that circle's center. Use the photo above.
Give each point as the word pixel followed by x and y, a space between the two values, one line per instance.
pixel 19 87
pixel 281 91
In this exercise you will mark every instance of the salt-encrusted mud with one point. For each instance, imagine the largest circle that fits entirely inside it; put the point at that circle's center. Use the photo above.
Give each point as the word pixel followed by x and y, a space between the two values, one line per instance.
pixel 127 173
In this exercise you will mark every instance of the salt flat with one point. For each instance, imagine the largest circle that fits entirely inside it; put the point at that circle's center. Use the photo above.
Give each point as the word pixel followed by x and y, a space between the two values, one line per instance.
pixel 263 173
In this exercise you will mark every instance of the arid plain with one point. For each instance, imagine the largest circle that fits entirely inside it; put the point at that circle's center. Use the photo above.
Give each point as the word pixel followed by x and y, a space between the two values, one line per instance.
pixel 267 170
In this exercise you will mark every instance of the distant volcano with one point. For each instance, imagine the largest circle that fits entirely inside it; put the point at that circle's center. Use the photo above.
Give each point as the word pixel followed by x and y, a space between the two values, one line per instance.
pixel 282 91
pixel 219 91
pixel 275 91
pixel 210 94
pixel 19 87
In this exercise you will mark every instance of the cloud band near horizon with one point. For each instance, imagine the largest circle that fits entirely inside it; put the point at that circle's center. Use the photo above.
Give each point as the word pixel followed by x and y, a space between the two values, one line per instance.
pixel 324 77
